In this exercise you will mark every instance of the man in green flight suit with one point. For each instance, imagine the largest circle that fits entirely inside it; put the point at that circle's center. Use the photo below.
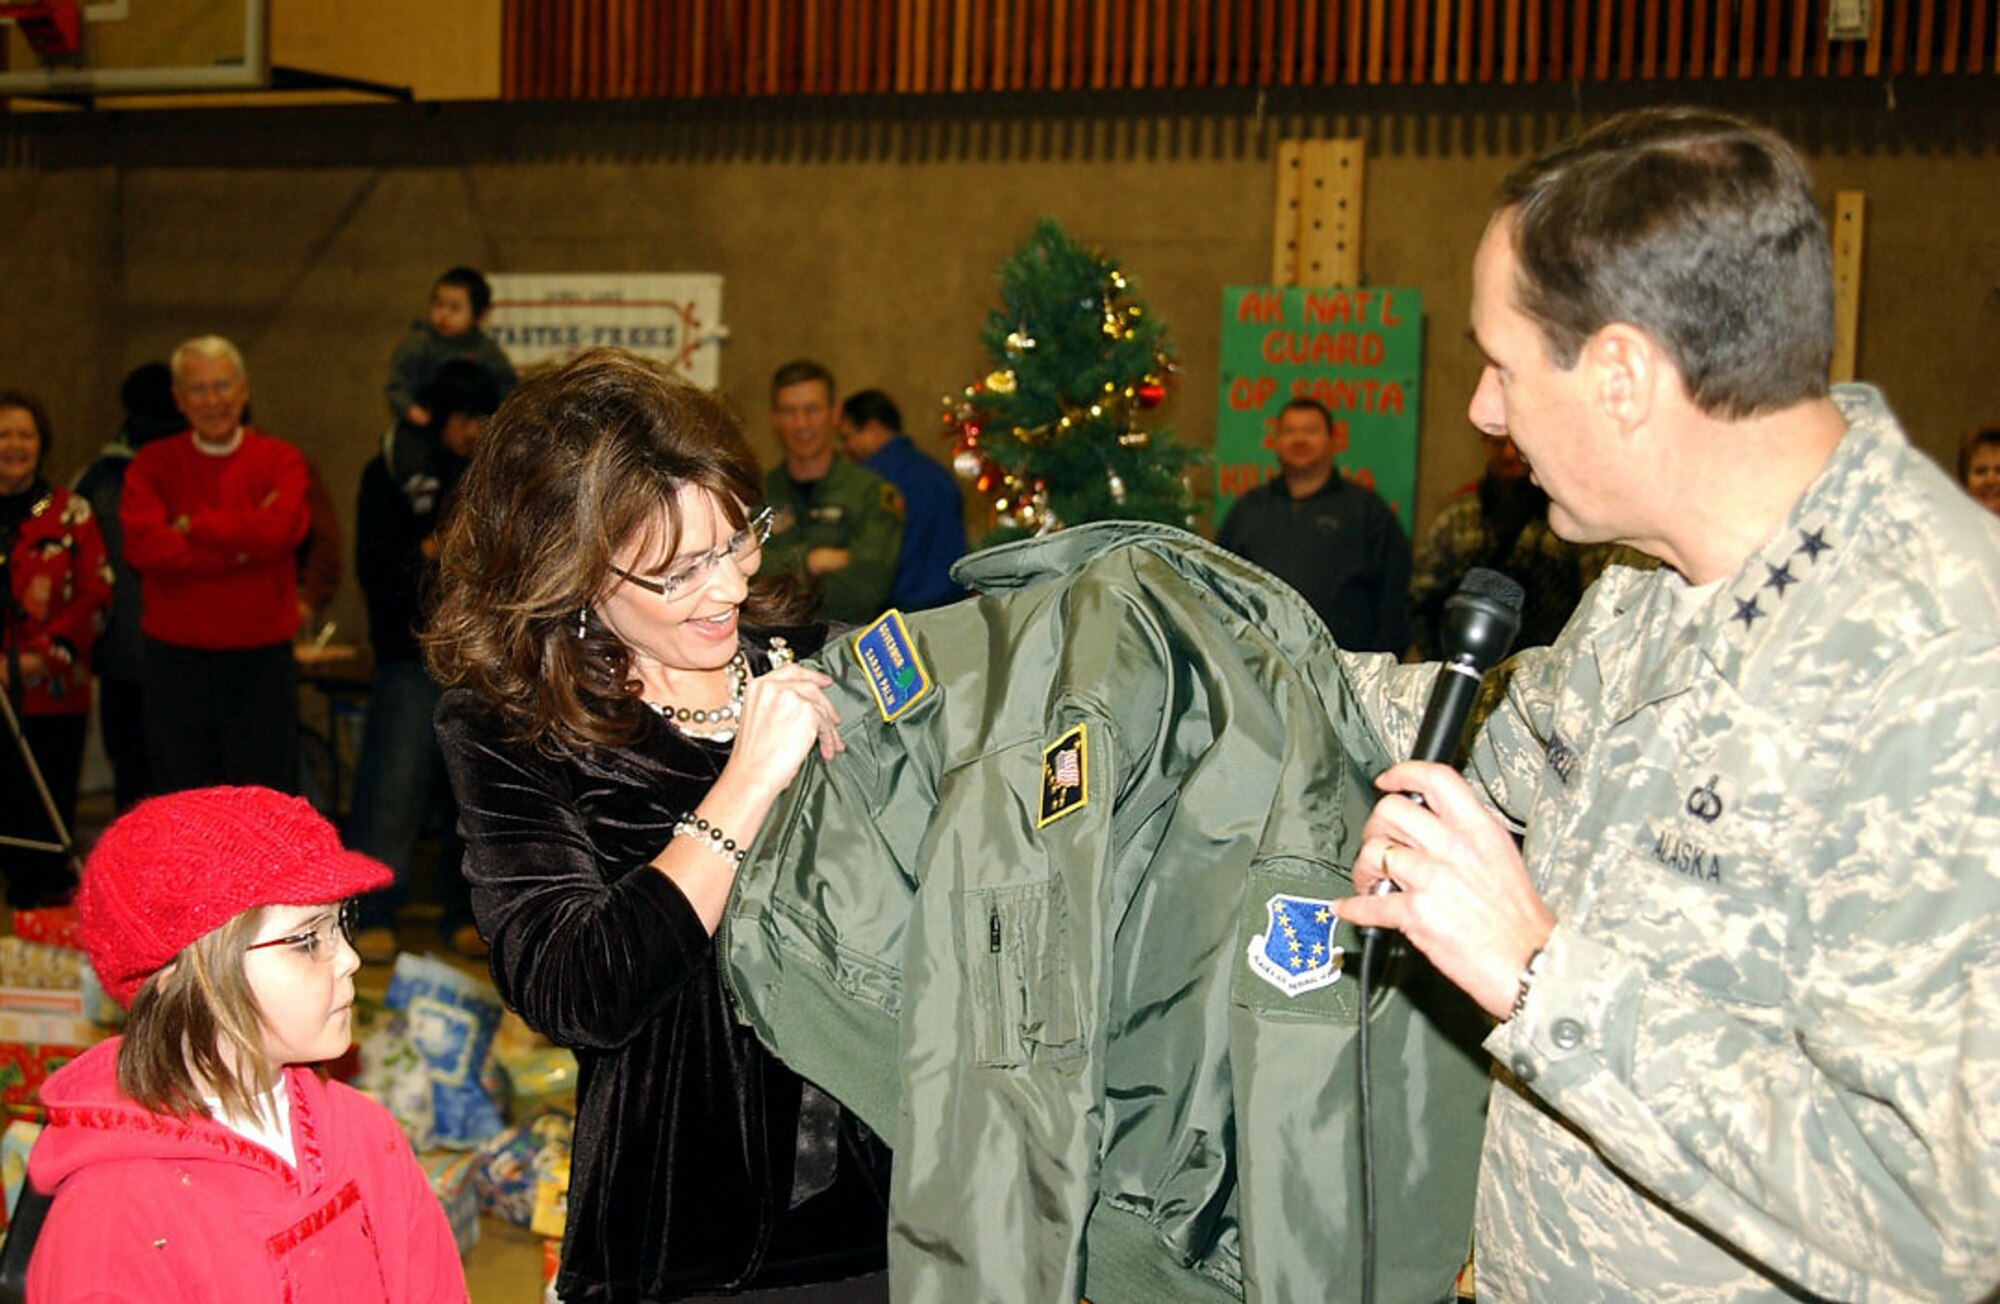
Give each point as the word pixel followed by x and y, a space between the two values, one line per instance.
pixel 838 526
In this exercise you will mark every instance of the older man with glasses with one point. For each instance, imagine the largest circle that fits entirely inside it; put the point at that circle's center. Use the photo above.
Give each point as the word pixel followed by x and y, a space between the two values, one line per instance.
pixel 212 518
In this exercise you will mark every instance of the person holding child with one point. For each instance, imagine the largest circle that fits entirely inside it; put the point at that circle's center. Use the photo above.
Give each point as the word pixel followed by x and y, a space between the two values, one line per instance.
pixel 621 711
pixel 400 786
pixel 198 1156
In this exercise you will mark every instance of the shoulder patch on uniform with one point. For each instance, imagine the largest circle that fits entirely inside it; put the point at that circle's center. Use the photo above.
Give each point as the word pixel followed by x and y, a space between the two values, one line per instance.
pixel 892 500
pixel 1065 776
pixel 1295 952
pixel 895 673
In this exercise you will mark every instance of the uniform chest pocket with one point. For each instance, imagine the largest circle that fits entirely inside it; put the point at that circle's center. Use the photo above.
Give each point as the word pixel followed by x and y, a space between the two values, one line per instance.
pixel 330 1256
pixel 1698 916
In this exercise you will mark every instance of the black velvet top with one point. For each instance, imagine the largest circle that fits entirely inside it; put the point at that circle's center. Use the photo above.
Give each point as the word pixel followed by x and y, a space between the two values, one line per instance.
pixel 700 1163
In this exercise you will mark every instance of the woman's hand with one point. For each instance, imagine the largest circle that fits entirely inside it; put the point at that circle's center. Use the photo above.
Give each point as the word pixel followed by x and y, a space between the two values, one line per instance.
pixel 785 714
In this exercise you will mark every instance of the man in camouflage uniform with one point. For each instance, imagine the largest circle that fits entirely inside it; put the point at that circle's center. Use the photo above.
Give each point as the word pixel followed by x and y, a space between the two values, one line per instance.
pixel 838 526
pixel 1743 964
pixel 1501 522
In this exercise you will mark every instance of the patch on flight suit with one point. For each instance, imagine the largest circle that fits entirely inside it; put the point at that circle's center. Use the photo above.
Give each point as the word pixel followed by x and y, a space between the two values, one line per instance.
pixel 1295 952
pixel 892 500
pixel 1065 776
pixel 890 661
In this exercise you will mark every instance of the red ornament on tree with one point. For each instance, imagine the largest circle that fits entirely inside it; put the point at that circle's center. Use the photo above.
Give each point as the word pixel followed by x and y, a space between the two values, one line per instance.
pixel 1151 393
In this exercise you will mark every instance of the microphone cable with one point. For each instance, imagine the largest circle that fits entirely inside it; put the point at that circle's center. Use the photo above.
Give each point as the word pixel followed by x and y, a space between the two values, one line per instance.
pixel 1480 622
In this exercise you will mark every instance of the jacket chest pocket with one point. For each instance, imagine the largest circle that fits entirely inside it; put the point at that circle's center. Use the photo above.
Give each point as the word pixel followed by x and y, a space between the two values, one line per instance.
pixel 1684 851
pixel 1672 907
pixel 1015 944
pixel 331 1256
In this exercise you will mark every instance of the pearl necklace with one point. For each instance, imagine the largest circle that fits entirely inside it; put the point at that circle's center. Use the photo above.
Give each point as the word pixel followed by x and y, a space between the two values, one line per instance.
pixel 681 716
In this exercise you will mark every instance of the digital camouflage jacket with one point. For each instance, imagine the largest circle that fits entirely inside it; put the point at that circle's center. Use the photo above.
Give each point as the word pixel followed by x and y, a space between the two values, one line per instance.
pixel 1761 1060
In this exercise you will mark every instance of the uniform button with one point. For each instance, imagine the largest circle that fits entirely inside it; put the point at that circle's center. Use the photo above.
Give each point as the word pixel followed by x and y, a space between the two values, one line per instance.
pixel 1524 1069
pixel 1567 1034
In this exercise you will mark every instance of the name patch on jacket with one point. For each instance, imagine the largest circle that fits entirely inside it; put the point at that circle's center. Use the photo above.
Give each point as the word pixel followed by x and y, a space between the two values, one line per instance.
pixel 895 673
pixel 1065 775
pixel 1295 952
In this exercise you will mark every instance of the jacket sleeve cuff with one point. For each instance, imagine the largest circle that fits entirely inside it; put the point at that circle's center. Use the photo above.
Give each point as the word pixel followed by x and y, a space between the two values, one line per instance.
pixel 1579 1019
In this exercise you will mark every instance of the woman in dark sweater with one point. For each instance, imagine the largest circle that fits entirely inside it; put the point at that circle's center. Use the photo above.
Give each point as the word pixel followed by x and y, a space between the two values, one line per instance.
pixel 621 711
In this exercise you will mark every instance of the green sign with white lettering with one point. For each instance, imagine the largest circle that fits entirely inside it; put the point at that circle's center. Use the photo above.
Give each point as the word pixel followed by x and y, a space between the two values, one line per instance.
pixel 1358 351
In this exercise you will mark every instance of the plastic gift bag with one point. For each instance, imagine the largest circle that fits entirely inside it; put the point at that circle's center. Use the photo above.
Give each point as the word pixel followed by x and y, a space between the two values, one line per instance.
pixel 451 1016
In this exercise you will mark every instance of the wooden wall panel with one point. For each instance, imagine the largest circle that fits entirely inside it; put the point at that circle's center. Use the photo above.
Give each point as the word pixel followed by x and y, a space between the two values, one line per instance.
pixel 1850 209
pixel 622 49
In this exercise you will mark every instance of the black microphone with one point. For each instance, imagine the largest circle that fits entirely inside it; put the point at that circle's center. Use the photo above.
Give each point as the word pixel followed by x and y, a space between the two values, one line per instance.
pixel 1480 622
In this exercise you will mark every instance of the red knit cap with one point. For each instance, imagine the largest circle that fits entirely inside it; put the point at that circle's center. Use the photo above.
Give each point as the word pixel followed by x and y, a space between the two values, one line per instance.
pixel 175 868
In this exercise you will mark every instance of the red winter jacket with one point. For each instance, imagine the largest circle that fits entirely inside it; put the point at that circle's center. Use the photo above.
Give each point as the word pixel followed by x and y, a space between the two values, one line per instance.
pixel 151 1208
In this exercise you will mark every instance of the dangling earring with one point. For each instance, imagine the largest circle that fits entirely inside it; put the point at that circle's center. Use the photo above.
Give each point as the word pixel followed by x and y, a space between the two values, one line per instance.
pixel 582 613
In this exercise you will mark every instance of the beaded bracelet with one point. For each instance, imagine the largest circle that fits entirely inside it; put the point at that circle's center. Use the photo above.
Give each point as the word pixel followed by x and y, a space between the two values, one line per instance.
pixel 1528 972
pixel 694 826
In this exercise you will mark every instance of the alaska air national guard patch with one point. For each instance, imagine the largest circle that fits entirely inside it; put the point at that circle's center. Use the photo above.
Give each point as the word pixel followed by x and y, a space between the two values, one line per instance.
pixel 1065 775
pixel 1295 952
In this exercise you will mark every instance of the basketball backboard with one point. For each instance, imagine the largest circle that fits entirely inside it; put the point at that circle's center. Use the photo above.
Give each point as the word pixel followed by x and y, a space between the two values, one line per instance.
pixel 146 46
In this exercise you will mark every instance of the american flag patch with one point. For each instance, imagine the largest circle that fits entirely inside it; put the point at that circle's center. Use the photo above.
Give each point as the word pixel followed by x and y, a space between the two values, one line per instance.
pixel 1065 776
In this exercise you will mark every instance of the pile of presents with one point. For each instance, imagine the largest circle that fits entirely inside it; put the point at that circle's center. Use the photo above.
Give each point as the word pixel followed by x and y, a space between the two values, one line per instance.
pixel 487 1103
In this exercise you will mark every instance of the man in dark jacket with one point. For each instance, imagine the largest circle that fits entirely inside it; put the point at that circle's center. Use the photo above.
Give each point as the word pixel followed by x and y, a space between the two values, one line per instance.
pixel 119 659
pixel 933 510
pixel 1329 537
pixel 399 783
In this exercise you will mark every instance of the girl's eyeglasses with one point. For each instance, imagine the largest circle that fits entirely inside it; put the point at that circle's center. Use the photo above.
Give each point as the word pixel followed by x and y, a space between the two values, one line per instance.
pixel 321 942
pixel 681 578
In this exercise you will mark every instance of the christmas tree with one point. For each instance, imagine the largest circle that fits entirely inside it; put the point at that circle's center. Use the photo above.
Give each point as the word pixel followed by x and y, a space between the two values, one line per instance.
pixel 1051 437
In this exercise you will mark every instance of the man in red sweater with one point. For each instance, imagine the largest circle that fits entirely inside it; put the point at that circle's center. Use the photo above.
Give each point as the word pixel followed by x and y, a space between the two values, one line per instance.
pixel 212 518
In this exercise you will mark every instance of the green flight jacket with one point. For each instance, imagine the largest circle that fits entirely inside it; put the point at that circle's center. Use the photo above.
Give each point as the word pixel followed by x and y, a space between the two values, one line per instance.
pixel 1031 930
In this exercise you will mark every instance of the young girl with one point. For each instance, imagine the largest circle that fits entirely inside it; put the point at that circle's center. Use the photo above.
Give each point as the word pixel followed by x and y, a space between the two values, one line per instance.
pixel 194 1158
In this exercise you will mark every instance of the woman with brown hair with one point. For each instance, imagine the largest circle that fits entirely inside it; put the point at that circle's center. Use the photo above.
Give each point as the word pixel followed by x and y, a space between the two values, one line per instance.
pixel 1979 466
pixel 621 711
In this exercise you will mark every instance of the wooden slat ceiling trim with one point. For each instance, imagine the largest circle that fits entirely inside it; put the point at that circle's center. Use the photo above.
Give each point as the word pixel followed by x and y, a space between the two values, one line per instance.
pixel 626 49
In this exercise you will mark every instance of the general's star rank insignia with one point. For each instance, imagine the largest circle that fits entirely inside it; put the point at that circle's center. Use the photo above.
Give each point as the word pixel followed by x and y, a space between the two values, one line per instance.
pixel 1295 952
pixel 1065 776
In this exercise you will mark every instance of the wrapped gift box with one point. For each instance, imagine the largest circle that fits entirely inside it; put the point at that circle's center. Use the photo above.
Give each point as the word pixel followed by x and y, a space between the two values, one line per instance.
pixel 15 1142
pixel 24 1066
pixel 53 925
pixel 450 1173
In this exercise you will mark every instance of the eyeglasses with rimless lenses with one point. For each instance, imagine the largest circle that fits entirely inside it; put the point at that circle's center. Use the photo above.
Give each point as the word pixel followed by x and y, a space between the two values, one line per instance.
pixel 321 942
pixel 741 547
